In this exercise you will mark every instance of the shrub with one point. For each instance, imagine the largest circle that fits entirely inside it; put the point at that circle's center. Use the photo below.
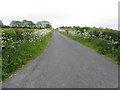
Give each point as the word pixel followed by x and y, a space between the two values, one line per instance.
pixel 107 42
pixel 20 46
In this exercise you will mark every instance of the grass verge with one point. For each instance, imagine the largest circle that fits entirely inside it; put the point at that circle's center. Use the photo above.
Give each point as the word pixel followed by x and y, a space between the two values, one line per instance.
pixel 97 45
pixel 14 59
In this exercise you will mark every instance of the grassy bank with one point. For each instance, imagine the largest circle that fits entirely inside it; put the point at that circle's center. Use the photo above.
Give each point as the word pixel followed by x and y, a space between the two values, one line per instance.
pixel 20 46
pixel 101 45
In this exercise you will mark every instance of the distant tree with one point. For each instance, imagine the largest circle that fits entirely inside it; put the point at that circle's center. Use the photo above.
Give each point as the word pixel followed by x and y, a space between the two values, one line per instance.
pixel 48 26
pixel 94 27
pixel 101 28
pixel 107 28
pixel 12 24
pixel 39 24
pixel 62 27
pixel 30 24
pixel 45 24
pixel 1 24
pixel 6 26
pixel 24 24
pixel 27 24
pixel 18 24
pixel 15 24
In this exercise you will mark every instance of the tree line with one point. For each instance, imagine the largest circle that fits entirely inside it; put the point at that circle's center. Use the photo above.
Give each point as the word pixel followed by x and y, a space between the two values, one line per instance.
pixel 26 24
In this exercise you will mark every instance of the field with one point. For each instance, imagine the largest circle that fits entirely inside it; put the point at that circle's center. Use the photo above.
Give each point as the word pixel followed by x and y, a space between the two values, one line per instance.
pixel 104 41
pixel 19 46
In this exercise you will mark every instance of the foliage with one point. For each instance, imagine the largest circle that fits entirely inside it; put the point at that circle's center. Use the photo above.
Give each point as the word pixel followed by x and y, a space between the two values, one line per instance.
pixel 1 24
pixel 104 41
pixel 19 46
pixel 30 24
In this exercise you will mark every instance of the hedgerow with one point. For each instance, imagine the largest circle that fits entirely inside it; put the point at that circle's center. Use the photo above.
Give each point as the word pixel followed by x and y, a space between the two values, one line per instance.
pixel 106 42
pixel 19 46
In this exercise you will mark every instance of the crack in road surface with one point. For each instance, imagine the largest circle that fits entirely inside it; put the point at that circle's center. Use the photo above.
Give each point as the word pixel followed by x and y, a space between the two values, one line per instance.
pixel 66 64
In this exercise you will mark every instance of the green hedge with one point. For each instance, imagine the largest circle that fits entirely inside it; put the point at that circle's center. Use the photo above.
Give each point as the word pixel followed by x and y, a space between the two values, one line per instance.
pixel 19 47
pixel 104 41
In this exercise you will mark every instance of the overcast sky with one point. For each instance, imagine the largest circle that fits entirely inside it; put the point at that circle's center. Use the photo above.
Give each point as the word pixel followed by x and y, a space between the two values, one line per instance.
pixel 99 13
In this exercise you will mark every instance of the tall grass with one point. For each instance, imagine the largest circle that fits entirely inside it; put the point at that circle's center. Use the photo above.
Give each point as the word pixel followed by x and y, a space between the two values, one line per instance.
pixel 106 42
pixel 19 46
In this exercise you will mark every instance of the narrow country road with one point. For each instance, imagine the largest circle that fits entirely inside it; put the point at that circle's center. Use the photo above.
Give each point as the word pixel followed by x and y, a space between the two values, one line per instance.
pixel 66 64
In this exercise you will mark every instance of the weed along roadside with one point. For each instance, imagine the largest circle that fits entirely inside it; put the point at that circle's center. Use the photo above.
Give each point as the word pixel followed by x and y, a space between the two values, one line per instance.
pixel 103 41
pixel 19 46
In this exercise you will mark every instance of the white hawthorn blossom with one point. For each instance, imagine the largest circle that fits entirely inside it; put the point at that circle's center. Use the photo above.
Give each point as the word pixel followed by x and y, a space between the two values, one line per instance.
pixel 29 37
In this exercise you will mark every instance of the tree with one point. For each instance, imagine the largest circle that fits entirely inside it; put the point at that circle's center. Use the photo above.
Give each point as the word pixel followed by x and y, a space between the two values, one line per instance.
pixel 24 24
pixel 12 24
pixel 15 24
pixel 31 24
pixel 28 24
pixel 1 24
pixel 18 24
pixel 46 24
pixel 6 26
pixel 39 24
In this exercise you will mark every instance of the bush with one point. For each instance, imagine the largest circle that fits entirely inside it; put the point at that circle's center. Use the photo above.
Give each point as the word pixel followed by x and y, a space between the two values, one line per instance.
pixel 105 41
pixel 21 46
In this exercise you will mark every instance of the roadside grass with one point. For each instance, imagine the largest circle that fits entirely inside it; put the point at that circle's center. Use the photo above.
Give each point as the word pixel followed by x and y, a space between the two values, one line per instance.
pixel 14 59
pixel 99 45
